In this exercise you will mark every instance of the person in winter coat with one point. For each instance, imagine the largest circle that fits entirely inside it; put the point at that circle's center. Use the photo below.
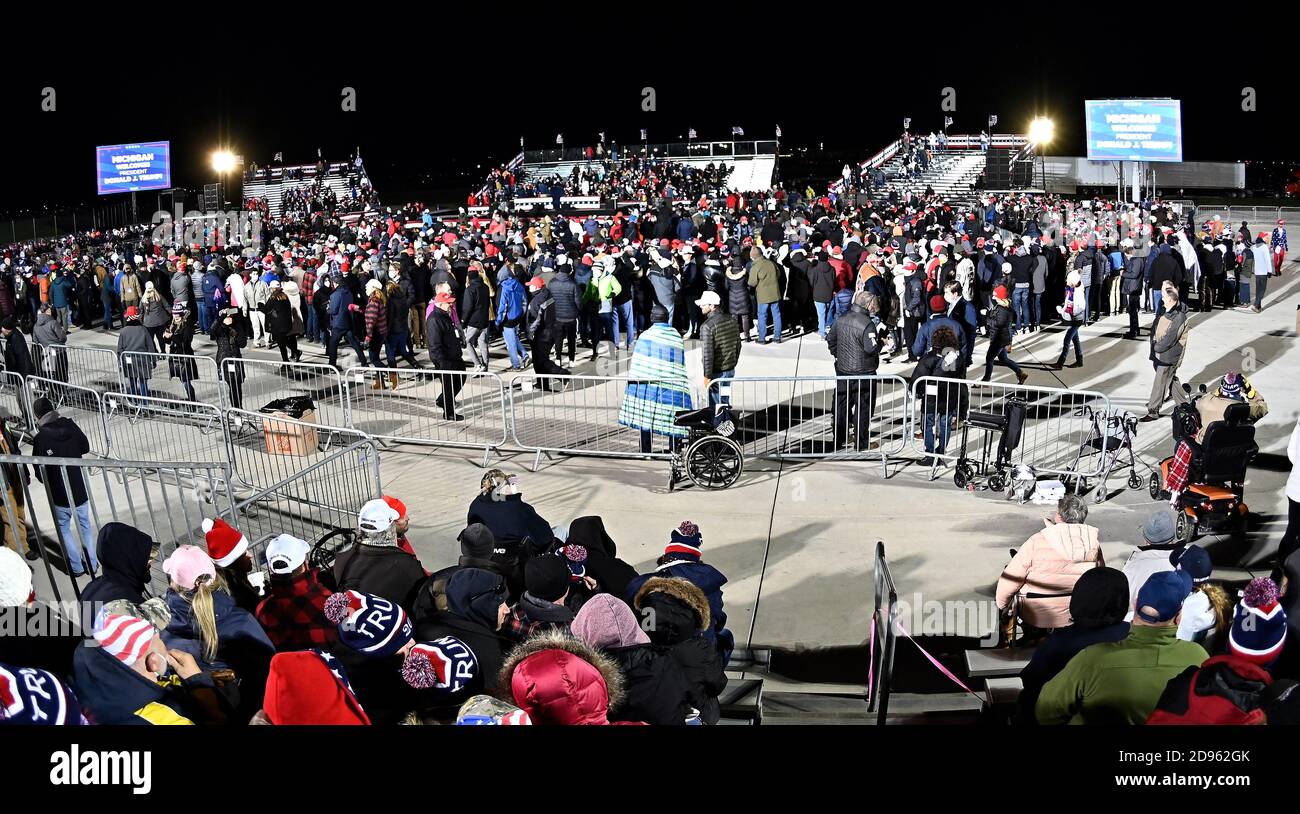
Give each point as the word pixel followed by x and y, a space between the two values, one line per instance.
pixel 446 352
pixel 602 564
pixel 822 277
pixel 939 318
pixel 376 327
pixel 1042 574
pixel 658 388
pixel 557 680
pixel 179 337
pixel 545 602
pixel 278 318
pixel 998 324
pixel 542 329
pixel 511 316
pixel 137 352
pixel 520 532
pixel 154 315
pixel 398 344
pixel 719 343
pixel 340 309
pixel 855 341
pixel 476 546
pixel 60 437
pixel 51 361
pixel 293 612
pixel 17 356
pixel 476 610
pixel 1131 286
pixel 666 282
pixel 125 555
pixel 61 292
pixel 1120 682
pixel 208 307
pixel 230 340
pixel 206 623
pixel 1071 314
pixel 1098 603
pixel 132 678
pixel 737 286
pixel 1168 343
pixel 568 308
pixel 941 403
pixel 682 558
pixel 675 615
pixel 655 688
pixel 477 315
pixel 376 565
pixel 764 278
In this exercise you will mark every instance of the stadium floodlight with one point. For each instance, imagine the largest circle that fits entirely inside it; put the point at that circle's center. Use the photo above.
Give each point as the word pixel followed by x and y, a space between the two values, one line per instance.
pixel 223 161
pixel 1041 131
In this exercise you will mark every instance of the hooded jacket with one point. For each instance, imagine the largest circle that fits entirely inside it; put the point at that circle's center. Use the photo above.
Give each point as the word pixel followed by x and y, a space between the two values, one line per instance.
pixel 655 687
pixel 559 680
pixel 511 521
pixel 60 437
pixel 1224 691
pixel 473 596
pixel 676 615
pixel 603 565
pixel 737 292
pixel 114 694
pixel 124 558
pixel 1050 562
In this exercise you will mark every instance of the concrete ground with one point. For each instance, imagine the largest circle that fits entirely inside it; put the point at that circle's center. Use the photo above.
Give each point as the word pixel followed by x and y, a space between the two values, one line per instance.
pixel 796 538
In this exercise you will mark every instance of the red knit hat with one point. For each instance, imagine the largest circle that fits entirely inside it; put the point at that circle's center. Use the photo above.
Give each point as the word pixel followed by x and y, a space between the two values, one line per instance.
pixel 225 544
pixel 1000 293
pixel 302 689
pixel 937 304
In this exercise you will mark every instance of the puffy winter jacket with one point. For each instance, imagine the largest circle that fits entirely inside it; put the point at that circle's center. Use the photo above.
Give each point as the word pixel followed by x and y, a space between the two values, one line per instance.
pixel 854 342
pixel 719 344
pixel 568 302
pixel 1050 562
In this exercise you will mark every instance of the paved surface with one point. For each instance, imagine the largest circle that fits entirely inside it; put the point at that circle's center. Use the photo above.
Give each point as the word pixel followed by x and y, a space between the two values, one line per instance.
pixel 796 538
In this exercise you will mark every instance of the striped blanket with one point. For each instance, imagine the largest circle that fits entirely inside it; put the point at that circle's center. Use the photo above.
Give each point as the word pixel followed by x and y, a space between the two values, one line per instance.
pixel 659 387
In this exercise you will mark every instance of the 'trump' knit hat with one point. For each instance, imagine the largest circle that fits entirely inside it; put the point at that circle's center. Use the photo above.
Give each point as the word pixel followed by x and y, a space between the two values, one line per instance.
pixel 1258 624
pixel 125 637
pixel 225 544
pixel 485 710
pixel 15 579
pixel 369 624
pixel 685 542
pixel 1230 387
pixel 575 556
pixel 34 697
pixel 309 687
pixel 445 664
pixel 547 577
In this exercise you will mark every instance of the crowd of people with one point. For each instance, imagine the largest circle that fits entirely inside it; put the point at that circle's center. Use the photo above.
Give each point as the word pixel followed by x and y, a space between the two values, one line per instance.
pixel 610 178
pixel 533 624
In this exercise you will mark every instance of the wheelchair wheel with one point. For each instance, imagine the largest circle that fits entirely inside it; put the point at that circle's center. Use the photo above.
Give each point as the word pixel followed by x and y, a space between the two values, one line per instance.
pixel 1154 486
pixel 1184 528
pixel 961 477
pixel 1134 480
pixel 714 462
pixel 335 542
pixel 997 481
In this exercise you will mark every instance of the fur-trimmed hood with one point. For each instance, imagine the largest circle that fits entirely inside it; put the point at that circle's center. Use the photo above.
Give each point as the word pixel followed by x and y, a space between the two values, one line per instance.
pixel 683 590
pixel 557 690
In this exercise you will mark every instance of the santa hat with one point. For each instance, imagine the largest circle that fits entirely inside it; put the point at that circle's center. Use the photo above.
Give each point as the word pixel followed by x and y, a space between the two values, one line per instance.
pixel 225 544
pixel 685 542
pixel 1259 624
pixel 310 687
pixel 369 624
pixel 126 638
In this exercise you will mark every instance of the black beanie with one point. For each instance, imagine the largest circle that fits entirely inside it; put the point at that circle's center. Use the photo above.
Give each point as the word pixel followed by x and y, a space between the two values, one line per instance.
pixel 477 541
pixel 547 577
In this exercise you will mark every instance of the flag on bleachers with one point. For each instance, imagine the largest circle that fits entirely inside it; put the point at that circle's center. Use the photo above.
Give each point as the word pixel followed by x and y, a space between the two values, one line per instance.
pixel 643 134
pixel 778 131
pixel 690 133
pixel 278 157
pixel 737 131
pixel 559 138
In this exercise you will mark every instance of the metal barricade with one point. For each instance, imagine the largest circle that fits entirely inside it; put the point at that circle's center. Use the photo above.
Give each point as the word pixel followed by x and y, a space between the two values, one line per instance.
pixel 414 412
pixel 312 501
pixel 84 405
pixel 843 417
pixel 13 401
pixel 163 429
pixel 267 449
pixel 166 501
pixel 92 368
pixel 169 372
pixel 254 382
pixel 884 631
pixel 1056 424
pixel 576 415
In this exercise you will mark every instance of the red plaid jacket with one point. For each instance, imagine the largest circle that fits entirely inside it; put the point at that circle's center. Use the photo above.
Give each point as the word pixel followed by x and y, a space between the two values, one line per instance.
pixel 1179 468
pixel 294 614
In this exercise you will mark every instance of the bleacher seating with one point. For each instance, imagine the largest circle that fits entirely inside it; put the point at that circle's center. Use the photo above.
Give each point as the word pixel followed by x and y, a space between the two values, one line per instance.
pixel 270 184
pixel 950 174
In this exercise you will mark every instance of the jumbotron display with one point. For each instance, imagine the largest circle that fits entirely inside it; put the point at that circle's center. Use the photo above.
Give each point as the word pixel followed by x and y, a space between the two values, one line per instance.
pixel 1134 129
pixel 133 167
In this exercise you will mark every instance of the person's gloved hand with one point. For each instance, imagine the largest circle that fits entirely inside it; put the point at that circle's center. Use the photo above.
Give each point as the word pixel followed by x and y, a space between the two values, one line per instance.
pixel 354 307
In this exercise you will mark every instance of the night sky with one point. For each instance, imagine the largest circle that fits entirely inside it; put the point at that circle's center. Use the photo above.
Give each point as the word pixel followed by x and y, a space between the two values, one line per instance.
pixel 424 131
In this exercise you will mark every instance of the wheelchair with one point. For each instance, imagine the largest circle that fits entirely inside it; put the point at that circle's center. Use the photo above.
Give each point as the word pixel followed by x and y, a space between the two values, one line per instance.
pixel 1215 495
pixel 709 457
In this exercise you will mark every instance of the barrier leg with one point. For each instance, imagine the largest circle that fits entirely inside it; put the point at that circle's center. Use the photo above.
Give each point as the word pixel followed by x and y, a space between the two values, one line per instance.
pixel 537 460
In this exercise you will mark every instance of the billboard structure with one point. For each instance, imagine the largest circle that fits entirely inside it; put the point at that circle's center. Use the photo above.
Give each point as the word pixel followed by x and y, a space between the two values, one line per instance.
pixel 133 167
pixel 1134 129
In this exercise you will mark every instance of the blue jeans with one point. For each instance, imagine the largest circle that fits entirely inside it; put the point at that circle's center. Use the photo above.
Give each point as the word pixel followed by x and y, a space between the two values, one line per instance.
pixel 1020 301
pixel 825 316
pixel 1087 300
pixel 312 331
pixel 937 427
pixel 205 316
pixel 73 548
pixel 514 347
pixel 716 393
pixel 1037 316
pixel 1072 335
pixel 1000 356
pixel 338 336
pixel 139 386
pixel 763 308
pixel 622 316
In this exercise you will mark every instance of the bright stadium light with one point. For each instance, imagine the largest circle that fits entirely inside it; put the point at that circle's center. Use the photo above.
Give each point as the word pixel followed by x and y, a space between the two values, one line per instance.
pixel 223 161
pixel 1041 131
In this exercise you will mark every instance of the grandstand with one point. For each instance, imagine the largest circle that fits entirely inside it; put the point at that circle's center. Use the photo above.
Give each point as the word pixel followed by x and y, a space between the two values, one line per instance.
pixel 270 184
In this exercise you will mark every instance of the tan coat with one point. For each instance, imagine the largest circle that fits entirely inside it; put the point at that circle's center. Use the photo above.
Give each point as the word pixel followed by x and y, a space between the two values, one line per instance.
pixel 1050 562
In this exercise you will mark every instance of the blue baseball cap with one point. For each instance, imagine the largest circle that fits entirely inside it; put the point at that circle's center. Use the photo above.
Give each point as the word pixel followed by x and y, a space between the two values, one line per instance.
pixel 1163 593
pixel 1194 560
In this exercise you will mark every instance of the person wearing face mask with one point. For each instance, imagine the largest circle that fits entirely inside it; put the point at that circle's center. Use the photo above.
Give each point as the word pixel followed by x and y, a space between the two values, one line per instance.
pixel 132 678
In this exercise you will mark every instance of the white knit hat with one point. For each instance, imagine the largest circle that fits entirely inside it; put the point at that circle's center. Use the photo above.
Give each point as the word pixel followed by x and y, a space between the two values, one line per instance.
pixel 15 579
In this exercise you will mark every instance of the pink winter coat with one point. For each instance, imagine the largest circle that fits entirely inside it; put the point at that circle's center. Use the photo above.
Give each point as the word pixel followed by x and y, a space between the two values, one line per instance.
pixel 1050 562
